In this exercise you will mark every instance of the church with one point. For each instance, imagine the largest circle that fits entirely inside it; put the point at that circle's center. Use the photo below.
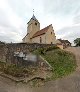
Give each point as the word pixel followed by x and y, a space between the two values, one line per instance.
pixel 37 35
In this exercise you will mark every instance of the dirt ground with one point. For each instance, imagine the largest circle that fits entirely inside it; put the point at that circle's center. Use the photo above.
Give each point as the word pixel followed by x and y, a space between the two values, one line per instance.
pixel 70 83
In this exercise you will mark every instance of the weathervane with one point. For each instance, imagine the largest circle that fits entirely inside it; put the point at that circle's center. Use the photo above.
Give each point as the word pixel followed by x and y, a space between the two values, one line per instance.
pixel 33 11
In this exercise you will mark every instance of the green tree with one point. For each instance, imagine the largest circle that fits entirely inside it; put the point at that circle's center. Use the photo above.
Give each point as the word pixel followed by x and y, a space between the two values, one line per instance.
pixel 77 41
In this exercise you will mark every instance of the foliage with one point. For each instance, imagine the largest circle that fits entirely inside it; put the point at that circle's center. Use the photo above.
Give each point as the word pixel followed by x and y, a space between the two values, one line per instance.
pixel 14 70
pixel 62 62
pixel 77 41
pixel 42 51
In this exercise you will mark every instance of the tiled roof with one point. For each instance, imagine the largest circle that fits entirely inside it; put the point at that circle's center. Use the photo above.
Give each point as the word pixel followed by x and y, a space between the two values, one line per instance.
pixel 41 32
pixel 63 41
pixel 67 41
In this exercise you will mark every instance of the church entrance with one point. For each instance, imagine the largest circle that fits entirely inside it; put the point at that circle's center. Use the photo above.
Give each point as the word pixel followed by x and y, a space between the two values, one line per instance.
pixel 40 40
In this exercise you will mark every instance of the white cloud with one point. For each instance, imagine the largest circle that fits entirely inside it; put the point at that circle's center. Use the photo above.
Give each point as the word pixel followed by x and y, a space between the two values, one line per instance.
pixel 70 33
pixel 11 25
pixel 63 14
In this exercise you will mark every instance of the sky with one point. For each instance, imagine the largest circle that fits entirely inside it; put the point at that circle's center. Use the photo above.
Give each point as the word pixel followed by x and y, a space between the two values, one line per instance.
pixel 64 15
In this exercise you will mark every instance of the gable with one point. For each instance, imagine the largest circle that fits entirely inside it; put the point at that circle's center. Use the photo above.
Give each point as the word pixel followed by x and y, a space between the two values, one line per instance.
pixel 41 32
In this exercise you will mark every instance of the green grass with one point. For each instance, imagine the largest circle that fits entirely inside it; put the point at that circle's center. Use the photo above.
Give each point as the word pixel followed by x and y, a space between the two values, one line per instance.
pixel 63 62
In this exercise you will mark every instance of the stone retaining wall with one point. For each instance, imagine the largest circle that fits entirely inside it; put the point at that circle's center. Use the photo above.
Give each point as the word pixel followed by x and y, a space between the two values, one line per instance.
pixel 7 50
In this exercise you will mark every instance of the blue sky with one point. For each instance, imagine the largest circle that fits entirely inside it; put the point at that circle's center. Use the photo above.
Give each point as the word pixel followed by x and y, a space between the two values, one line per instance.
pixel 64 15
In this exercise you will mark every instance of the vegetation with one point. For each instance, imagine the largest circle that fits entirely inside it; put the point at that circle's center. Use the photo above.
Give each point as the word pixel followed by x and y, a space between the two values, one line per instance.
pixel 77 41
pixel 43 51
pixel 14 70
pixel 63 62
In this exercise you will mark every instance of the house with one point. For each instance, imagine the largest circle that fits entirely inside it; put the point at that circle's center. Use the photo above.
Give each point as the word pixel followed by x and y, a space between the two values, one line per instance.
pixel 35 35
pixel 63 43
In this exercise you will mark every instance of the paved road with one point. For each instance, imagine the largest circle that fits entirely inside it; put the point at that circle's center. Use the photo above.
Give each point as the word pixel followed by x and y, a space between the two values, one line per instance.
pixel 70 83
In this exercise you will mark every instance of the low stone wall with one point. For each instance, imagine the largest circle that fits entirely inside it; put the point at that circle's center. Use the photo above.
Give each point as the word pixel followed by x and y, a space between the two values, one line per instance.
pixel 3 52
pixel 7 50
pixel 25 47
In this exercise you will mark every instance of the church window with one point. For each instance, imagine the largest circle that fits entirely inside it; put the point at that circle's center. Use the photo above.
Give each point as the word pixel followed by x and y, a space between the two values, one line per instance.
pixel 51 32
pixel 40 40
pixel 36 24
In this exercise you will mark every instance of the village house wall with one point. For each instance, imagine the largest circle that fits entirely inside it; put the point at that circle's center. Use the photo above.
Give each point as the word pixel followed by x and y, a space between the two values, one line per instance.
pixel 37 39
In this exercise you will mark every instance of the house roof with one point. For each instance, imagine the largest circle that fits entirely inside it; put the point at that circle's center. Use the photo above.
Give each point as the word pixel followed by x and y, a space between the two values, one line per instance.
pixel 67 41
pixel 2 42
pixel 41 32
pixel 63 41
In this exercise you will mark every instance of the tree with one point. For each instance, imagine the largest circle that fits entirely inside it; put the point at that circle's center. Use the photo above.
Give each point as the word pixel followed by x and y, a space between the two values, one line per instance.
pixel 77 41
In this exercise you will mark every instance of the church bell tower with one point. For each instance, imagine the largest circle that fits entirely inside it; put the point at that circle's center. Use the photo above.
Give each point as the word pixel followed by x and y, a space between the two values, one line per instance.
pixel 33 26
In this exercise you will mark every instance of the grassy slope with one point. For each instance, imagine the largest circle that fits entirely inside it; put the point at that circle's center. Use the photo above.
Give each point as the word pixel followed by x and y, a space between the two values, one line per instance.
pixel 63 62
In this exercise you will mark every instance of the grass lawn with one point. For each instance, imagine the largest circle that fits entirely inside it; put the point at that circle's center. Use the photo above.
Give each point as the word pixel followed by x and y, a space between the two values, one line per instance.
pixel 63 62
